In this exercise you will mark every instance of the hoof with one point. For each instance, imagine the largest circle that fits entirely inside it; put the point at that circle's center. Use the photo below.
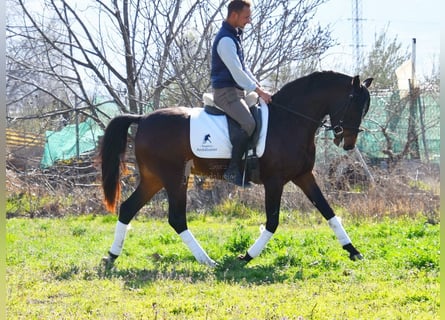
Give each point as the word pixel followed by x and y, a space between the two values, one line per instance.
pixel 356 257
pixel 108 261
pixel 246 257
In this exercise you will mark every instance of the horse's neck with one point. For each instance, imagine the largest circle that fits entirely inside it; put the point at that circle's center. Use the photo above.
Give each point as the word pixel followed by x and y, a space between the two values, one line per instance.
pixel 311 97
pixel 312 109
pixel 299 120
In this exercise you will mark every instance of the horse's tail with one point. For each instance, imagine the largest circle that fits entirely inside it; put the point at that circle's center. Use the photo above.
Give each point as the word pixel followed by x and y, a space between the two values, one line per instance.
pixel 112 153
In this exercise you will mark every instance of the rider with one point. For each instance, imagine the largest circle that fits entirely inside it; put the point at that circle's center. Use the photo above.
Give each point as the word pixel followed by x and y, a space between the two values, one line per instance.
pixel 231 79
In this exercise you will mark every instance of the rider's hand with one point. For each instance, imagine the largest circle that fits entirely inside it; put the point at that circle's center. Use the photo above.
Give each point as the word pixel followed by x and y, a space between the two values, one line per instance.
pixel 266 96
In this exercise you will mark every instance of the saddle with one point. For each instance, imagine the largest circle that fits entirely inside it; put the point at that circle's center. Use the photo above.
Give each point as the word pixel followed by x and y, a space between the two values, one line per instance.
pixel 252 166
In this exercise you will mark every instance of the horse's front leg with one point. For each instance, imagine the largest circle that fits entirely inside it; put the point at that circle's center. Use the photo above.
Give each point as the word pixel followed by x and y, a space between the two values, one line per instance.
pixel 273 192
pixel 310 188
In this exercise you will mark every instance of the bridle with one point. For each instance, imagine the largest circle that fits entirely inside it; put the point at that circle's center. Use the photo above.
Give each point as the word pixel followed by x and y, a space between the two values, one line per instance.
pixel 337 129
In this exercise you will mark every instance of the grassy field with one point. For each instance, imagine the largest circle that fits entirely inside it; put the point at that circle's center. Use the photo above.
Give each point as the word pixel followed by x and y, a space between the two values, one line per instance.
pixel 54 270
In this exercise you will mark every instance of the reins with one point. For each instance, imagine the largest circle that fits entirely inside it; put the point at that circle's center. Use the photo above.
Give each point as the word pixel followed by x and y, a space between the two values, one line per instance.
pixel 320 123
pixel 337 129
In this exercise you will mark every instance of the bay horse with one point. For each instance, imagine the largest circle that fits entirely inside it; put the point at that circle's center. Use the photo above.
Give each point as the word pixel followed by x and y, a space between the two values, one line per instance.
pixel 165 158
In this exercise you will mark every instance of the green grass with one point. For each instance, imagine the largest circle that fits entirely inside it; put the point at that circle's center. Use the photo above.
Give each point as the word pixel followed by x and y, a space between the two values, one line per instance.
pixel 54 270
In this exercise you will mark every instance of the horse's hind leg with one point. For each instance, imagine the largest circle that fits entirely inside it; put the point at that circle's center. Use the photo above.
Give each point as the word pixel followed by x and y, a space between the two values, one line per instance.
pixel 177 201
pixel 128 209
pixel 310 188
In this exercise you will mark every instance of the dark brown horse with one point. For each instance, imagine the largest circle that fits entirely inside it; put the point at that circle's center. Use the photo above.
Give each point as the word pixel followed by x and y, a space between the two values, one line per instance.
pixel 165 158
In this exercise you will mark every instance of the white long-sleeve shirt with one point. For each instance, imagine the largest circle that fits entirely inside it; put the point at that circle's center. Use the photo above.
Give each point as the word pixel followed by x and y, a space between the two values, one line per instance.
pixel 227 52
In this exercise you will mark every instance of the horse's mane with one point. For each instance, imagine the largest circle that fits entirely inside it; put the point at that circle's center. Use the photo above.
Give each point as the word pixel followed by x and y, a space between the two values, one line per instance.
pixel 312 82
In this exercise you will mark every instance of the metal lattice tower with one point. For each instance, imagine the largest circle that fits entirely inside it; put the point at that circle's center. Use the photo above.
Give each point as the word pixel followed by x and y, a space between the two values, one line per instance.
pixel 357 35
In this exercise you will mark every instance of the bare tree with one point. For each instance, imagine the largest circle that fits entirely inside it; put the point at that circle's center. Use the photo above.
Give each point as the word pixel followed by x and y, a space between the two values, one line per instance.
pixel 284 36
pixel 145 54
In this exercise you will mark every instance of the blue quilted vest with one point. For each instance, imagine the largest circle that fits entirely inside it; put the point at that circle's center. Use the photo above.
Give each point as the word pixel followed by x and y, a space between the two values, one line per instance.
pixel 220 75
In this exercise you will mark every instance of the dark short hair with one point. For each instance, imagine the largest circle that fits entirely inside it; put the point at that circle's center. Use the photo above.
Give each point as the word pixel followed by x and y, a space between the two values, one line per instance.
pixel 237 6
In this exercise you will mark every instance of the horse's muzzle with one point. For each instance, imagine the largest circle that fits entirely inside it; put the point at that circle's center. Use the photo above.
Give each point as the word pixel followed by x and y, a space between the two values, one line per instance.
pixel 349 140
pixel 348 147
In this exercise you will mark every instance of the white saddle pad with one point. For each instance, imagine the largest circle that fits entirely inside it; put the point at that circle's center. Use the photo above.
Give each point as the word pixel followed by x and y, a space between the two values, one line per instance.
pixel 209 134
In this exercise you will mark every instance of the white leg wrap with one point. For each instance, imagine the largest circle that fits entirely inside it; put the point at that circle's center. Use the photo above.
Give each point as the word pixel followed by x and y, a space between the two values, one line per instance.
pixel 197 251
pixel 260 243
pixel 119 238
pixel 336 226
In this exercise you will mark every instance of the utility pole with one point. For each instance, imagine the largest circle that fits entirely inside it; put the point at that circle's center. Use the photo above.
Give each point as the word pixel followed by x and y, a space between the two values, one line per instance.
pixel 357 35
pixel 413 138
pixel 76 114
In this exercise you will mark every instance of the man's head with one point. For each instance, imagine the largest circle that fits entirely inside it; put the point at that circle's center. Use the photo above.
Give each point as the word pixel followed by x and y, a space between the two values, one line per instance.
pixel 238 14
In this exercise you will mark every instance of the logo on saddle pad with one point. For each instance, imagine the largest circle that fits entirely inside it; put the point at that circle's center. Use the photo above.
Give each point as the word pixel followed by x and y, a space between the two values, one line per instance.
pixel 209 134
pixel 207 139
pixel 207 145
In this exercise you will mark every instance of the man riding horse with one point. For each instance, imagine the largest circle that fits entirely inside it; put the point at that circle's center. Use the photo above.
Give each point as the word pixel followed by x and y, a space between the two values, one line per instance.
pixel 231 79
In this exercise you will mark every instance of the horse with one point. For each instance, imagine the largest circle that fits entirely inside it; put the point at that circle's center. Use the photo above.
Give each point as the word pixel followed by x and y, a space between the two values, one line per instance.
pixel 165 159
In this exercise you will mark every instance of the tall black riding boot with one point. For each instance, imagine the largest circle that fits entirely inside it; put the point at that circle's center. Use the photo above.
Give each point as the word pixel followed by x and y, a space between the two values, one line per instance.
pixel 233 172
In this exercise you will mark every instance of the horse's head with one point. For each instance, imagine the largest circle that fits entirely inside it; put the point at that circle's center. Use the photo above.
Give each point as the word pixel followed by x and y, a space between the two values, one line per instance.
pixel 346 118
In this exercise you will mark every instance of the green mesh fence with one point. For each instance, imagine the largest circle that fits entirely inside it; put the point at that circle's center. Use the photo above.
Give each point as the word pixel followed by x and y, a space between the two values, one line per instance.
pixel 386 111
pixel 393 114
pixel 74 139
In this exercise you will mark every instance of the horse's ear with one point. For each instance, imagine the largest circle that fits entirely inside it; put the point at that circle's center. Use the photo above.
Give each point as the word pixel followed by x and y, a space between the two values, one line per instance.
pixel 356 82
pixel 368 82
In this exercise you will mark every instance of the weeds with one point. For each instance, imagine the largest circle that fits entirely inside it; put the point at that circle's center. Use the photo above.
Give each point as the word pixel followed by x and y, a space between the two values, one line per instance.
pixel 394 193
pixel 239 240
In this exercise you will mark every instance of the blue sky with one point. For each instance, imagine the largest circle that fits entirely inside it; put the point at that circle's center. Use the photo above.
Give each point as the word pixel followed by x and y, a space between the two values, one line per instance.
pixel 405 19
